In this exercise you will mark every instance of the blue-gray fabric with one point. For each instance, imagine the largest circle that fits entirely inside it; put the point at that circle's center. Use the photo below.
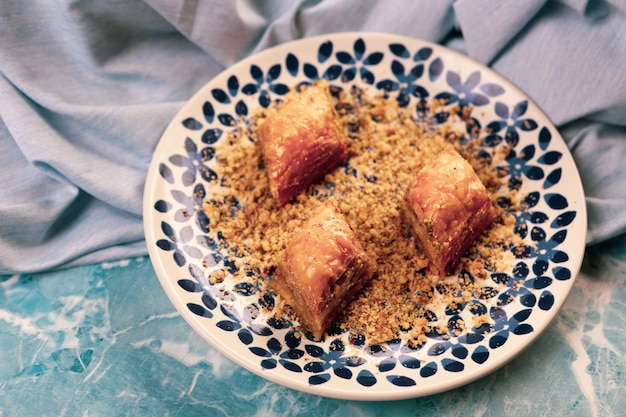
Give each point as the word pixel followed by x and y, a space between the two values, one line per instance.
pixel 87 87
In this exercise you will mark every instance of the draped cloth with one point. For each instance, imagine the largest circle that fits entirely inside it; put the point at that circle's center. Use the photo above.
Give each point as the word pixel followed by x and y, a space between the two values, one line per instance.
pixel 87 88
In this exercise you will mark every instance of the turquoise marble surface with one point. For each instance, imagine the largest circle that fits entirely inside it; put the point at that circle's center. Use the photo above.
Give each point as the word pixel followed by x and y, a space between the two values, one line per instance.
pixel 104 340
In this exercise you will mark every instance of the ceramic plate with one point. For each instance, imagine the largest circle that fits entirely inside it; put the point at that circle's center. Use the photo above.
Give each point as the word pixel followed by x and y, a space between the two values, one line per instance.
pixel 228 315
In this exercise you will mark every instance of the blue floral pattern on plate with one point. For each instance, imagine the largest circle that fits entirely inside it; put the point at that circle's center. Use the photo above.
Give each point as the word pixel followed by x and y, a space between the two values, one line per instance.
pixel 519 305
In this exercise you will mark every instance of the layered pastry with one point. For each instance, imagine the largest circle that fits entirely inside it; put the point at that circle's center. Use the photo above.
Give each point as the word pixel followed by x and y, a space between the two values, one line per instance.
pixel 302 140
pixel 448 208
pixel 323 268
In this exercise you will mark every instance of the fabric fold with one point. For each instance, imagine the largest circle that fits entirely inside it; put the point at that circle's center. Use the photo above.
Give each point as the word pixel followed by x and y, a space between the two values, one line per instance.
pixel 599 150
pixel 593 9
pixel 568 64
pixel 489 26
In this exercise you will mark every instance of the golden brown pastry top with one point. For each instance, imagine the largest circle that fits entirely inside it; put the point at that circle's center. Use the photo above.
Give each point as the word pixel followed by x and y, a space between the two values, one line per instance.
pixel 450 197
pixel 318 254
pixel 302 140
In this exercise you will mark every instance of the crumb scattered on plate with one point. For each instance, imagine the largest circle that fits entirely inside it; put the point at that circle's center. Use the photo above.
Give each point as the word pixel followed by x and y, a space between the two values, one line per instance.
pixel 388 145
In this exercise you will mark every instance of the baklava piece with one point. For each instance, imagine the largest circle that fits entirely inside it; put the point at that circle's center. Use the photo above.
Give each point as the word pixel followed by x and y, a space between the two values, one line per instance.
pixel 448 208
pixel 322 270
pixel 302 140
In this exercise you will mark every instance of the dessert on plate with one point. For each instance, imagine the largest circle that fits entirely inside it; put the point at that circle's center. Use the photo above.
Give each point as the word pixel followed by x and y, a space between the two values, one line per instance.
pixel 322 269
pixel 448 207
pixel 302 140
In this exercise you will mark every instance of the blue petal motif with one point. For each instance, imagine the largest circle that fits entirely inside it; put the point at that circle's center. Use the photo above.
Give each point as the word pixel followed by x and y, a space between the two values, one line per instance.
pixel 199 310
pixel 262 85
pixel 250 89
pixel 208 111
pixel 471 338
pixel 292 340
pixel 423 54
pixel 409 362
pixel 319 379
pixel 460 352
pixel 528 300
pixel 171 244
pixel 522 315
pixel 192 124
pixel 435 69
pixel 399 50
pixel 208 301
pixel 550 158
pixel 498 339
pixel 166 173
pixel 226 119
pixel 189 285
pixel 268 363
pixel 438 349
pixel 523 329
pixel 519 109
pixel 387 364
pixel 463 94
pixel 401 380
pixel 210 136
pixel 556 201
pixel 553 178
pixel 562 273
pixel 366 378
pixel 344 373
pixel 452 365
pixel 480 355
pixel 492 90
pixel 259 351
pixel 241 109
pixel 544 138
pixel 315 367
pixel 546 300
pixel 191 207
pixel 220 95
pixel 511 121
pixel 563 219
pixel 405 83
pixel 501 110
pixel 292 64
pixel 359 48
pixel 373 59
pixel 311 71
pixel 245 336
pixel 333 72
pixel 324 52
pixel 290 366
pixel 228 326
pixel 429 369
pixel 256 73
pixel 233 85
pixel 273 73
pixel 162 206
pixel 345 58
pixel 194 161
pixel 245 288
pixel 519 166
pixel 352 61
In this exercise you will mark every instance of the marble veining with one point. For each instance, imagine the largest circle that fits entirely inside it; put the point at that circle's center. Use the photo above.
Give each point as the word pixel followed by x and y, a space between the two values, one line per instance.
pixel 104 340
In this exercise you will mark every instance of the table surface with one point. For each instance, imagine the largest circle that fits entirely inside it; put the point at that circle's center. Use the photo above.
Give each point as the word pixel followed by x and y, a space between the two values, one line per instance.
pixel 104 340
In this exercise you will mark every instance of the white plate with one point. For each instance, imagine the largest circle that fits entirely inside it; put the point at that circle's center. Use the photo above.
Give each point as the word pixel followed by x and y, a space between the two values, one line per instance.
pixel 536 285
